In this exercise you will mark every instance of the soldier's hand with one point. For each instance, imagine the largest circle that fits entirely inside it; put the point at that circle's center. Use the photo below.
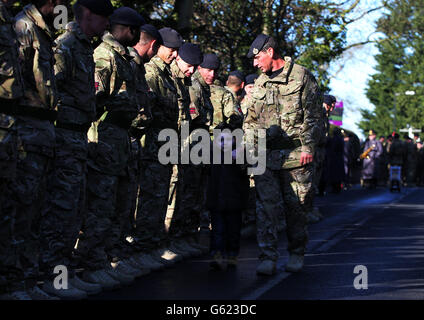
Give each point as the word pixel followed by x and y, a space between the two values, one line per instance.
pixel 306 158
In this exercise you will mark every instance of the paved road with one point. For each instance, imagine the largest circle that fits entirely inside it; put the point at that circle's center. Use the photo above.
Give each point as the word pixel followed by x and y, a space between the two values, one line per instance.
pixel 381 230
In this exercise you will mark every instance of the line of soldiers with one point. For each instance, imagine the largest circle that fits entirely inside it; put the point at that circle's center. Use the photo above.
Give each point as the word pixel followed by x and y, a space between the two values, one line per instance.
pixel 81 182
pixel 392 151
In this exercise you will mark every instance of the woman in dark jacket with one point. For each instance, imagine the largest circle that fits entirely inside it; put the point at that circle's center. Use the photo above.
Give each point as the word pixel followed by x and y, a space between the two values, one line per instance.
pixel 227 197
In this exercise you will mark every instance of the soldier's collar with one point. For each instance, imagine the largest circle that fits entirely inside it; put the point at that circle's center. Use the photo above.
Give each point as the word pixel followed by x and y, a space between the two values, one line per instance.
pixel 176 71
pixel 283 77
pixel 198 77
pixel 32 12
pixel 160 63
pixel 110 40
pixel 134 54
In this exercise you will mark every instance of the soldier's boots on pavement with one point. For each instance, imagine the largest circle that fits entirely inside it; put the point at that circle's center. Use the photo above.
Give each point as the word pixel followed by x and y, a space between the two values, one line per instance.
pixel 177 248
pixel 147 261
pixel 89 288
pixel 127 268
pixel 267 268
pixel 195 252
pixel 295 263
pixel 37 294
pixel 16 295
pixel 71 293
pixel 157 256
pixel 138 265
pixel 102 278
pixel 169 255
pixel 218 262
pixel 119 275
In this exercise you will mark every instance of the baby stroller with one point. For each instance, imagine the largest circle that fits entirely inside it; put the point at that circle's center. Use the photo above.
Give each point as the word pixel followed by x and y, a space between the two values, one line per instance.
pixel 395 178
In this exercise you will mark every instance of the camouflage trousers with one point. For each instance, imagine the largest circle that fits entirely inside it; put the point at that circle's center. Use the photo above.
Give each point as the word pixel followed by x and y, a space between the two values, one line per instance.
pixel 295 187
pixel 108 189
pixel 8 160
pixel 190 200
pixel 101 241
pixel 63 213
pixel 28 191
pixel 152 205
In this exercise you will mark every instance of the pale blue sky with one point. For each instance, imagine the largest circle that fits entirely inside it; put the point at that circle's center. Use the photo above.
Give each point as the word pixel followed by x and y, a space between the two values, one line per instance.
pixel 358 65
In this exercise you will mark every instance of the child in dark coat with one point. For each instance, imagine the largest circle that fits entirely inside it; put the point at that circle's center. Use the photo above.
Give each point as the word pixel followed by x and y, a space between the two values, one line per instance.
pixel 227 197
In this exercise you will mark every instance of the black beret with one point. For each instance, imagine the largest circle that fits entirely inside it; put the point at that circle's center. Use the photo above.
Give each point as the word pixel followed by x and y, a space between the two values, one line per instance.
pixel 100 7
pixel 238 74
pixel 152 31
pixel 257 45
pixel 171 38
pixel 127 17
pixel 210 61
pixel 329 99
pixel 191 53
pixel 250 79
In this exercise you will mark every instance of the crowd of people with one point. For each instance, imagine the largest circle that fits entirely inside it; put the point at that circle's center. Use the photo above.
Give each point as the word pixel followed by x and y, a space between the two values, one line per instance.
pixel 82 183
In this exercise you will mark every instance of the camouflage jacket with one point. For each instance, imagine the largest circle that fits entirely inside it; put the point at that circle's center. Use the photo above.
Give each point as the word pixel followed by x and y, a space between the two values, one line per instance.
pixel 36 53
pixel 182 83
pixel 289 107
pixel 226 108
pixel 165 110
pixel 74 70
pixel 11 82
pixel 115 83
pixel 145 96
pixel 201 108
pixel 245 104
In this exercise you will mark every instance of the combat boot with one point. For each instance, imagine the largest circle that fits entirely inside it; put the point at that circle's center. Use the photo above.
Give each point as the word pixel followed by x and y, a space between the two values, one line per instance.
pixel 16 295
pixel 169 255
pixel 192 250
pixel 266 267
pixel 157 256
pixel 295 263
pixel 175 247
pixel 102 278
pixel 317 212
pixel 67 294
pixel 136 270
pixel 146 261
pixel 118 275
pixel 218 262
pixel 89 288
pixel 37 294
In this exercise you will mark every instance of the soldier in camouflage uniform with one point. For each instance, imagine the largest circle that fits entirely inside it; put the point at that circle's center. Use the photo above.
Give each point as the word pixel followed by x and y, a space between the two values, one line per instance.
pixel 183 222
pixel 100 245
pixel 235 84
pixel 11 89
pixel 63 214
pixel 192 178
pixel 154 176
pixel 142 52
pixel 34 123
pixel 287 103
